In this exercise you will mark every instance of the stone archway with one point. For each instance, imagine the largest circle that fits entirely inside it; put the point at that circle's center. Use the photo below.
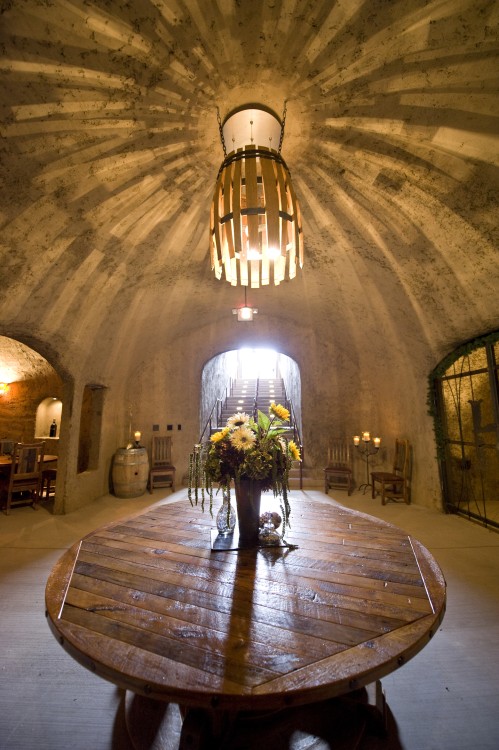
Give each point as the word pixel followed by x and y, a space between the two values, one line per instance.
pixel 32 381
pixel 465 398
pixel 220 372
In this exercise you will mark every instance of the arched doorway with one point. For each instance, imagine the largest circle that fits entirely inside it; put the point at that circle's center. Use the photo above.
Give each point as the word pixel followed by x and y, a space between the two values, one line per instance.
pixel 33 396
pixel 221 373
pixel 258 363
pixel 31 402
pixel 465 406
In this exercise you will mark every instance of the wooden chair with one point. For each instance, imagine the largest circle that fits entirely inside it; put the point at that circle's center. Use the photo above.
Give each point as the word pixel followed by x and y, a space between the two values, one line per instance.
pixel 339 471
pixel 395 485
pixel 6 446
pixel 49 478
pixel 25 480
pixel 162 471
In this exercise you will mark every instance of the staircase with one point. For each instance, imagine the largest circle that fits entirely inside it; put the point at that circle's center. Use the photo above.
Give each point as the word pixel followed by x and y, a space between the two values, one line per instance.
pixel 241 399
pixel 246 393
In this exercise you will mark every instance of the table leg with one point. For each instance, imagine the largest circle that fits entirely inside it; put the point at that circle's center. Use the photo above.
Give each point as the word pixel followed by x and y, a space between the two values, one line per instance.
pixel 152 725
pixel 342 721
pixel 196 730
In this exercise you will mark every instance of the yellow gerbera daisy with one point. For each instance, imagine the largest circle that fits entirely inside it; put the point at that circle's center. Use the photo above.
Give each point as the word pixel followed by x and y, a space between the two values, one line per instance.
pixel 238 420
pixel 294 450
pixel 217 436
pixel 243 438
pixel 279 411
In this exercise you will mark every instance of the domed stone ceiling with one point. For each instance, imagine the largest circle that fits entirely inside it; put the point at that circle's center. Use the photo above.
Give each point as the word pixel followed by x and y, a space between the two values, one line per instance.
pixel 110 150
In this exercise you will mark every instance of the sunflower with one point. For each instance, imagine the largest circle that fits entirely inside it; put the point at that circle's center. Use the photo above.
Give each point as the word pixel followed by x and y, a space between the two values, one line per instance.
pixel 243 438
pixel 279 411
pixel 237 420
pixel 294 450
pixel 218 436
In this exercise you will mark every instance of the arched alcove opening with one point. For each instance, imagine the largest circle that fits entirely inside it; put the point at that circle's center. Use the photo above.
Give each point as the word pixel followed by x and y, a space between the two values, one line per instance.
pixel 34 395
pixel 90 427
pixel 261 364
pixel 31 406
pixel 48 418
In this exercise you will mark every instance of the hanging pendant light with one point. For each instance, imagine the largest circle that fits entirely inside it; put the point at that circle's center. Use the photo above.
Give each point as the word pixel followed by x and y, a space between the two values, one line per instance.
pixel 255 227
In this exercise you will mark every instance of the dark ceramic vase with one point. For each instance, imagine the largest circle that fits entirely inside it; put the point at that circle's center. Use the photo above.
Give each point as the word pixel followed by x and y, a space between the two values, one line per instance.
pixel 248 496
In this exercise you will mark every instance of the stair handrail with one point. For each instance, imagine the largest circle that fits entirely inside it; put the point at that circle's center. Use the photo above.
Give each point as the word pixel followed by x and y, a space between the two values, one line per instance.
pixel 296 434
pixel 216 406
pixel 228 392
pixel 255 401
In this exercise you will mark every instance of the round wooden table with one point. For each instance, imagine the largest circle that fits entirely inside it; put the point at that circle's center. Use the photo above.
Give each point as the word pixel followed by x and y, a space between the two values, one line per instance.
pixel 6 460
pixel 146 604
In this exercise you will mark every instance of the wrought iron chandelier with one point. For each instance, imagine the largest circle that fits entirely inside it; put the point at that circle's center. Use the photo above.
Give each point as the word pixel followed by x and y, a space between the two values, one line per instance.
pixel 255 225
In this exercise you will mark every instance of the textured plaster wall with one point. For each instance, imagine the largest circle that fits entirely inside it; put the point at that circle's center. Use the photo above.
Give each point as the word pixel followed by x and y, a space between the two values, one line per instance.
pixel 335 400
pixel 338 397
pixel 109 154
pixel 215 384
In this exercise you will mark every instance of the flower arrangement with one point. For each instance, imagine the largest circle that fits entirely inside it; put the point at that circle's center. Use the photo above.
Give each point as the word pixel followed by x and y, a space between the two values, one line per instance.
pixel 246 449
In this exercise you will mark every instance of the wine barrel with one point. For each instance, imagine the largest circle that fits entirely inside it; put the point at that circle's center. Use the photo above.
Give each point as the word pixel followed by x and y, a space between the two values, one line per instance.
pixel 130 472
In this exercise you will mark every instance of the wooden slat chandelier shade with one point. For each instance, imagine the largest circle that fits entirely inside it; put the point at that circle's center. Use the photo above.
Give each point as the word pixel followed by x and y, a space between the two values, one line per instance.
pixel 255 228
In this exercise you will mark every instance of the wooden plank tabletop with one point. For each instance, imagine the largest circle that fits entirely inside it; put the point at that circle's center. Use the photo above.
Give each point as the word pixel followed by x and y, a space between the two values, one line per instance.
pixel 146 604
pixel 6 460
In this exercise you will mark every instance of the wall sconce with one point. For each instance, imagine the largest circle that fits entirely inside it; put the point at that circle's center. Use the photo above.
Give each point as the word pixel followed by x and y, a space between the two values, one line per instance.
pixel 245 313
pixel 4 389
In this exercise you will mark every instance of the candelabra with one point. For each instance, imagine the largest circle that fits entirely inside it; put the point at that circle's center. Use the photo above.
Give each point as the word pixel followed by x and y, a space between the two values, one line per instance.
pixel 366 452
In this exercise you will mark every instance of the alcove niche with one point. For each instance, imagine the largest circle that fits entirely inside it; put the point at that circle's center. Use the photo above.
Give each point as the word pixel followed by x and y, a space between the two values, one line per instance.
pixel 90 427
pixel 48 410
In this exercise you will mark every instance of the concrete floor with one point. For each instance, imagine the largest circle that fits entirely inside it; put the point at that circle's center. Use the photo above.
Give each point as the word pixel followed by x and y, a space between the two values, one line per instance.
pixel 445 698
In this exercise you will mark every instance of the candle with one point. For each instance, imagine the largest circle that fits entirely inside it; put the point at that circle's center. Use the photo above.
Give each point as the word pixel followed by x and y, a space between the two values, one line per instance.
pixel 137 436
pixel 356 440
pixel 377 441
pixel 366 436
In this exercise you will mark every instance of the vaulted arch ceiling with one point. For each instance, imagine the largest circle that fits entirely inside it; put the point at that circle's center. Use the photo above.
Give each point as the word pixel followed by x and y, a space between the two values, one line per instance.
pixel 110 149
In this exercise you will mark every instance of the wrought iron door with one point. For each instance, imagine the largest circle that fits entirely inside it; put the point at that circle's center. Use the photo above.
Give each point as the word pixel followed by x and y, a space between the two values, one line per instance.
pixel 467 429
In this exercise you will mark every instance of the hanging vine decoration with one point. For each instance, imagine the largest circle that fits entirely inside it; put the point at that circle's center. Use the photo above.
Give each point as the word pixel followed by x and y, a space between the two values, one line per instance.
pixel 198 480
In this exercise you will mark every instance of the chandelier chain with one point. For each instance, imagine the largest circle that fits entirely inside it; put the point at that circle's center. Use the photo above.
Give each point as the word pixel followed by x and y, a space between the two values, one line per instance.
pixel 219 120
pixel 282 126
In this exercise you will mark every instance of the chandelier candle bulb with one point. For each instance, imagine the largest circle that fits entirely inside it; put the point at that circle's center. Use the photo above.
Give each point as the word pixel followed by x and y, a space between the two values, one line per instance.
pixel 377 442
pixel 366 437
pixel 356 440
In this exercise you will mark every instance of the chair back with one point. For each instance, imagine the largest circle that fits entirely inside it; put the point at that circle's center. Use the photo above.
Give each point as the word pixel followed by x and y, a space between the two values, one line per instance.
pixel 27 460
pixel 340 453
pixel 6 447
pixel 161 453
pixel 401 462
